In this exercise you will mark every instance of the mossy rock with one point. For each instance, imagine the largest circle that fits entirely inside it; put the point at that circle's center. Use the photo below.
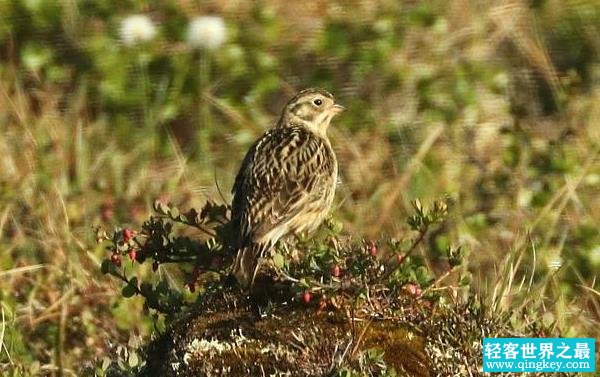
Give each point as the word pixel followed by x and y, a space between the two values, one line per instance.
pixel 231 335
pixel 228 336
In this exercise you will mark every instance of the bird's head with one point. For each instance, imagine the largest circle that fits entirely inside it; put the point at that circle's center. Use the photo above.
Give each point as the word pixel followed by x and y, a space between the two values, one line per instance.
pixel 311 108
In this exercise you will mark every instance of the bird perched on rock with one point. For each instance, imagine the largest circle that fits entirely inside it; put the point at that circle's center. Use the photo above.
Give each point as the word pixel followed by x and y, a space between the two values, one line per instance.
pixel 286 182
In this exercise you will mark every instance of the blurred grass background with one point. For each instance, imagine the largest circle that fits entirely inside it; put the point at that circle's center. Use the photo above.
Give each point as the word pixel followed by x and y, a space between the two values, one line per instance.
pixel 494 103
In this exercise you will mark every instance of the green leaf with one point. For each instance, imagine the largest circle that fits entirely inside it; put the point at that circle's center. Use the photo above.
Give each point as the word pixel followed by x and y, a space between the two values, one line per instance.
pixel 133 359
pixel 128 290
pixel 159 324
pixel 146 289
pixel 162 287
pixel 121 364
pixel 106 266
pixel 105 363
pixel 278 260
pixel 36 56
pixel 161 207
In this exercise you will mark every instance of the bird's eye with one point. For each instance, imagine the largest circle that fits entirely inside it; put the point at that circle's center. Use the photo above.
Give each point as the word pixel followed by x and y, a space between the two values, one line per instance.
pixel 318 102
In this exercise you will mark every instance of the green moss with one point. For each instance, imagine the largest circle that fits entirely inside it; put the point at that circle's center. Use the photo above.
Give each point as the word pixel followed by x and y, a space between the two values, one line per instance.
pixel 227 336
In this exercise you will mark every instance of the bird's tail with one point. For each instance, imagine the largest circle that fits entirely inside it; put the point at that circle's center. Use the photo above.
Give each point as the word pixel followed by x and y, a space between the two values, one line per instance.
pixel 247 263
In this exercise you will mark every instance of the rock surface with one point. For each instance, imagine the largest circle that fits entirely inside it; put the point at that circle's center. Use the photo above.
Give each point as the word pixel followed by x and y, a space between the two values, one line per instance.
pixel 228 337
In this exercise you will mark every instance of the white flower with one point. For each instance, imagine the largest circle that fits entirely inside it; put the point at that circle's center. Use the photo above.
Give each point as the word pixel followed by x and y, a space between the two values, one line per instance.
pixel 555 263
pixel 206 32
pixel 137 28
pixel 553 260
pixel 594 256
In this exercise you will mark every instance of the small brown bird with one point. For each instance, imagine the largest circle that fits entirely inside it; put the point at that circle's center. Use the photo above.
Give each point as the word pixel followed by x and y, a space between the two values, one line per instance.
pixel 286 182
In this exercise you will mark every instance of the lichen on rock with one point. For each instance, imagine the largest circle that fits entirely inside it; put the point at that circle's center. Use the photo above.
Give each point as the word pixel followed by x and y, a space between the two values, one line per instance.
pixel 230 338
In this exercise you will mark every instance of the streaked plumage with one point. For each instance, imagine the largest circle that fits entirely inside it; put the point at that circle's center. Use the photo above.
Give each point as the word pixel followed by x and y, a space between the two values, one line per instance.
pixel 286 183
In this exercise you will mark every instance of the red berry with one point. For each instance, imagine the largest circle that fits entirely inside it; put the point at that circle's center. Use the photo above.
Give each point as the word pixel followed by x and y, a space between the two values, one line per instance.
pixel 336 271
pixel 133 254
pixel 413 289
pixel 192 287
pixel 306 297
pixel 322 304
pixel 400 258
pixel 372 248
pixel 116 259
pixel 127 234
pixel 155 266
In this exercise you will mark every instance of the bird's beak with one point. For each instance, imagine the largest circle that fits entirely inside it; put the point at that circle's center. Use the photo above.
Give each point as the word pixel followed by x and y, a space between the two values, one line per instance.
pixel 337 108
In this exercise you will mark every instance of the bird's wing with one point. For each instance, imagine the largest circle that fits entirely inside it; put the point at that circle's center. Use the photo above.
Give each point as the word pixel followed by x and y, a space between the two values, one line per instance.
pixel 283 172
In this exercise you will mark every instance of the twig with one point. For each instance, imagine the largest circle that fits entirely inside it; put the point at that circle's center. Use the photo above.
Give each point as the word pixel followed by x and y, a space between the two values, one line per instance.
pixel 2 344
pixel 189 223
pixel 392 265
pixel 202 229
pixel 219 187
pixel 360 338
pixel 154 304
pixel 437 281
pixel 315 283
